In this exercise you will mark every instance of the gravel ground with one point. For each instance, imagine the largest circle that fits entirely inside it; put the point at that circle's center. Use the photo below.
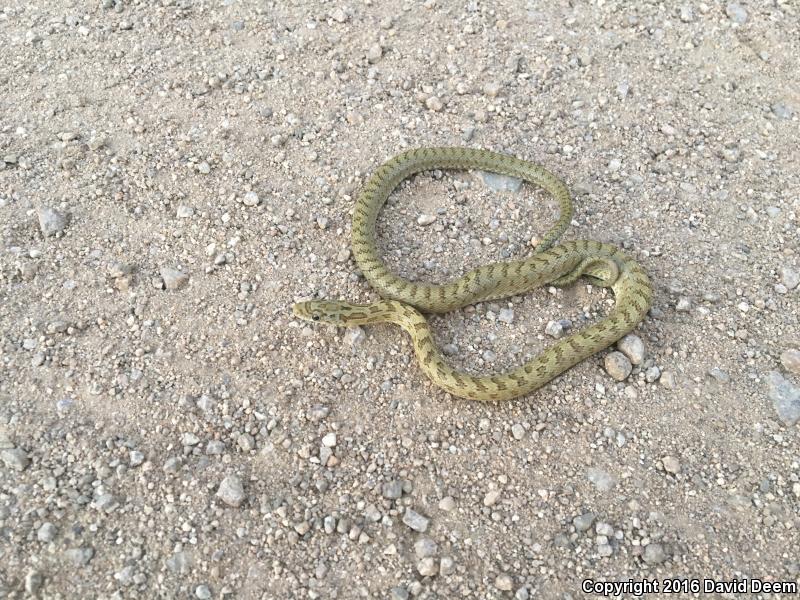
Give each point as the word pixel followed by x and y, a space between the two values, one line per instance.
pixel 174 174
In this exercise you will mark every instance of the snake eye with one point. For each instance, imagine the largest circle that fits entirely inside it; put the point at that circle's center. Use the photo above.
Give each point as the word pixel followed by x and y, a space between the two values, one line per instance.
pixel 315 317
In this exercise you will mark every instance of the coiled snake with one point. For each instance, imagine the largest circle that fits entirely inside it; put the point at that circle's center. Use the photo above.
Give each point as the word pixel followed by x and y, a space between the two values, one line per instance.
pixel 560 265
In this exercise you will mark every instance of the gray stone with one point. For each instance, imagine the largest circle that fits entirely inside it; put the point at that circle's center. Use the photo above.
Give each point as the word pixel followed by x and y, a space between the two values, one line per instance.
pixel 446 566
pixel 654 554
pixel 399 593
pixel 428 567
pixel 790 359
pixel 780 110
pixel 433 103
pixel 684 304
pixel 506 315
pixel 415 521
pixel 583 522
pixel 392 489
pixel 671 464
pixel 15 458
pixel 215 447
pixel 47 532
pixel 424 547
pixel 251 199
pixel 135 458
pixel 180 563
pixel 518 431
pixel 202 592
pixel 602 480
pixel 500 183
pixel 632 346
pixel 33 582
pixel 736 13
pixel 652 374
pixel 491 497
pixel 618 365
pixel 51 221
pixel 719 375
pixel 790 278
pixel 173 464
pixel 231 491
pixel 785 398
pixel 79 557
pixel 174 279
pixel 504 582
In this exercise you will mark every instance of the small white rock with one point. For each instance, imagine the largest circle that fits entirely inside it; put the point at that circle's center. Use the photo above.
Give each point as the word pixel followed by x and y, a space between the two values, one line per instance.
pixel 632 346
pixel 329 440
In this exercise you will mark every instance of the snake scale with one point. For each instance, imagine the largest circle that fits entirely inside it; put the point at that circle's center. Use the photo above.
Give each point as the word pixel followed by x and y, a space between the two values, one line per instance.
pixel 603 264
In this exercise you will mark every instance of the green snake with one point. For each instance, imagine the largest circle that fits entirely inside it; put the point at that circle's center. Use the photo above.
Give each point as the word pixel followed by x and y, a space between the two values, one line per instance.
pixel 603 264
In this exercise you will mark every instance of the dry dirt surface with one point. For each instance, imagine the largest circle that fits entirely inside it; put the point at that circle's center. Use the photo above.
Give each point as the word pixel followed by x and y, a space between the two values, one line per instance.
pixel 174 174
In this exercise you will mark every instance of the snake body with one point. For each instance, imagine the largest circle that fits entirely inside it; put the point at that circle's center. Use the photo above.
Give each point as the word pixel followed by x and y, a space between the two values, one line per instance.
pixel 560 265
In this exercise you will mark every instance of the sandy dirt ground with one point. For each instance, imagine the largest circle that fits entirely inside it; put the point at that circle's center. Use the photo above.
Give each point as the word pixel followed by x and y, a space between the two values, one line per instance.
pixel 174 174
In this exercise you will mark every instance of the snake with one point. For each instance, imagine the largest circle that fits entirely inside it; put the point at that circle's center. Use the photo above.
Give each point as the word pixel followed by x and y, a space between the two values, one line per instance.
pixel 404 302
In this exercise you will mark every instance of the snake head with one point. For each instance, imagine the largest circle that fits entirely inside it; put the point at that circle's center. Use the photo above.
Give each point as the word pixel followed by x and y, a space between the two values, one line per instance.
pixel 322 311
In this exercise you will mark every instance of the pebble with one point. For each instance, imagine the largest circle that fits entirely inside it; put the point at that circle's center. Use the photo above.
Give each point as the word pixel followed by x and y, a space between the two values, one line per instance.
pixel 180 563
pixel 447 503
pixel 204 168
pixel 250 199
pixel 790 278
pixel 202 592
pixel 399 593
pixel 446 566
pixel 790 359
pixel 329 440
pixel 506 315
pixel 671 464
pixel 79 557
pixel 491 497
pixel 246 442
pixel 667 379
pixel 425 547
pixel 374 53
pixel 618 366
pixel 425 219
pixel 654 554
pixel 652 374
pixel 415 521
pixel 782 111
pixel 602 480
pixel 231 491
pixel 189 439
pixel 518 431
pixel 504 582
pixel 500 183
pixel 15 458
pixel 428 567
pixel 433 103
pixel 184 212
pixel 719 375
pixel 736 13
pixel 33 582
pixel 785 398
pixel 632 346
pixel 684 304
pixel 583 522
pixel 51 221
pixel 174 279
pixel 554 329
pixel 46 533
pixel 392 489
